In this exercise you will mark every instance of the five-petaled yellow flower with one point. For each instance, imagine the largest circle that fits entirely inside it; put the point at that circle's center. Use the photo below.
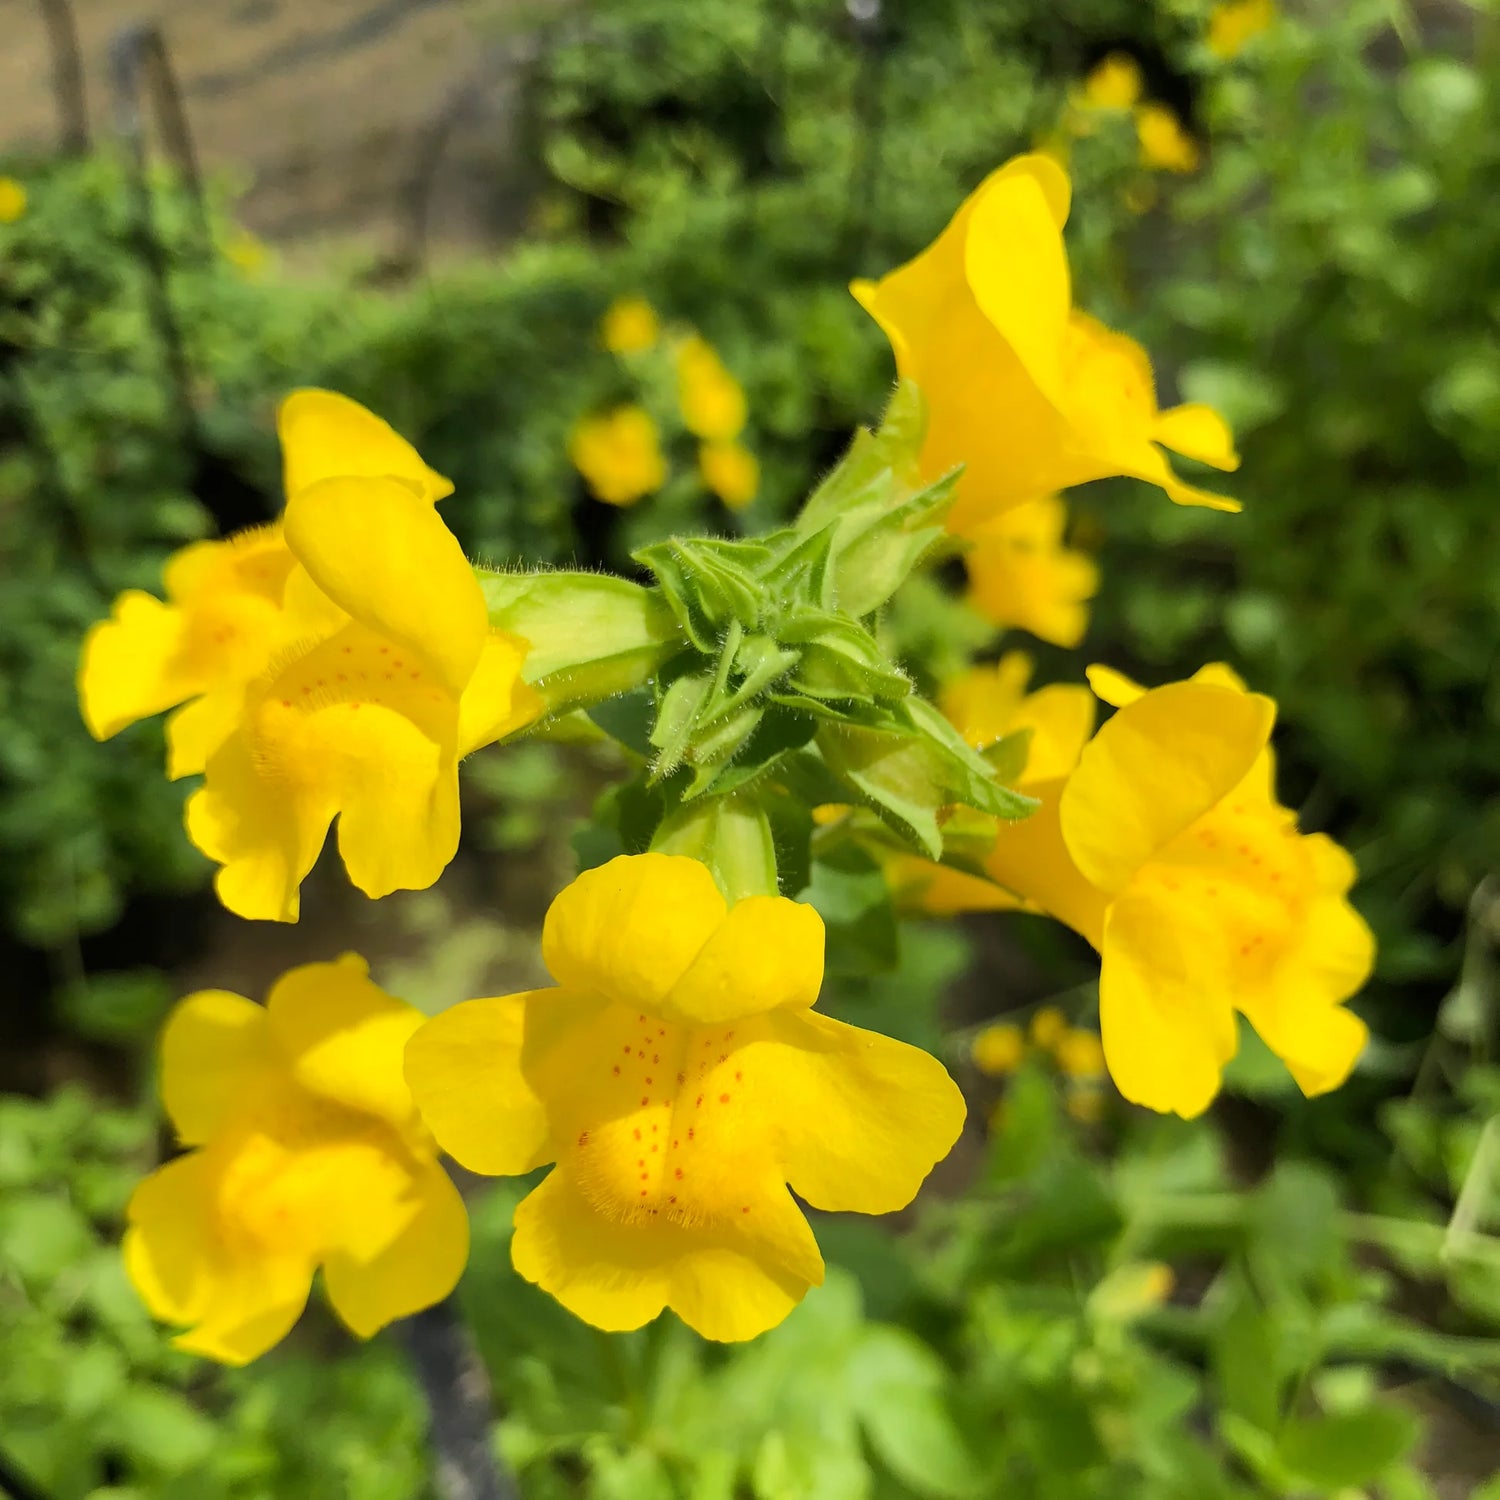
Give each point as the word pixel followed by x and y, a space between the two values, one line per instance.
pixel 1234 23
pixel 394 675
pixel 1029 394
pixel 1164 144
pixel 1167 850
pixel 731 471
pixel 12 200
pixel 712 400
pixel 680 1079
pixel 619 454
pixel 306 1153
pixel 1020 574
pixel 630 326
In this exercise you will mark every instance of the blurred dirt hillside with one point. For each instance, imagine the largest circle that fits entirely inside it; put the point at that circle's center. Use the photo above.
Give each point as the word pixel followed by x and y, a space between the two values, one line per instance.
pixel 335 117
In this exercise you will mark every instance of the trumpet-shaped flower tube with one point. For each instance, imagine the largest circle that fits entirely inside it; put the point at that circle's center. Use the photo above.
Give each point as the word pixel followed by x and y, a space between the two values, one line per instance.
pixel 1167 849
pixel 1030 395
pixel 680 1079
pixel 306 1153
pixel 1020 574
pixel 366 721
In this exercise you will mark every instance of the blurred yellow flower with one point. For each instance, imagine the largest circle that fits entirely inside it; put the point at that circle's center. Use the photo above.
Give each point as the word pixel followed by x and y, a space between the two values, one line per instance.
pixel 680 1080
pixel 731 471
pixel 1165 145
pixel 12 200
pixel 246 253
pixel 306 1153
pixel 1235 22
pixel 1167 850
pixel 630 326
pixel 619 454
pixel 1114 84
pixel 1048 1027
pixel 1080 1054
pixel 1085 1104
pixel 1021 575
pixel 1029 394
pixel 712 401
pixel 366 717
pixel 998 1049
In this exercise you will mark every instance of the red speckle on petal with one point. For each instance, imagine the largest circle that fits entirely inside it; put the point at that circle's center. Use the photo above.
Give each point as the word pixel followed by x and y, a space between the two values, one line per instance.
pixel 745 1209
pixel 637 1135
pixel 678 1174
pixel 723 1098
pixel 583 1138
pixel 644 1103
pixel 739 1077
pixel 617 1070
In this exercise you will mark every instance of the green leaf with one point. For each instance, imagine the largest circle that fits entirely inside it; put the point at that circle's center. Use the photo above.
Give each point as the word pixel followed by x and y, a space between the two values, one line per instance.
pixel 850 892
pixel 1347 1449
pixel 1244 1353
pixel 732 836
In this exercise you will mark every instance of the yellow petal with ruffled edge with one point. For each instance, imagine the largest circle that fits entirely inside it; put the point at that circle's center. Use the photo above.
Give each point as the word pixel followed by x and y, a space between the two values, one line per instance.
pixel 863 1118
pixel 765 955
pixel 1164 1001
pixel 1153 770
pixel 982 703
pixel 415 1270
pixel 1197 431
pixel 592 935
pixel 385 557
pixel 344 1038
pixel 1031 859
pixel 1017 268
pixel 186 1273
pixel 328 436
pixel 198 728
pixel 216 1049
pixel 464 1071
pixel 130 667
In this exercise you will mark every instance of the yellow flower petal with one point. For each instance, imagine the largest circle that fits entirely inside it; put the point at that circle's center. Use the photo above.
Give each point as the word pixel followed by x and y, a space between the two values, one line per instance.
pixel 343 1037
pixel 198 728
pixel 130 667
pixel 12 200
pixel 630 326
pixel 464 1071
pixel 1112 687
pixel 1031 859
pixel 592 937
pixel 241 1305
pixel 328 436
pixel 1153 770
pixel 865 1118
pixel 767 953
pixel 1164 1010
pixel 215 1047
pixel 919 884
pixel 731 471
pixel 998 1049
pixel 385 556
pixel 1197 431
pixel 1114 83
pixel 417 1269
pixel 619 454
pixel 496 701
pixel 1021 575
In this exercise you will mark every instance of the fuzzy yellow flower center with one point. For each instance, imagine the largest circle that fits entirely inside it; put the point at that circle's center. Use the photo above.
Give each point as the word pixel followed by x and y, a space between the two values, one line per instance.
pixel 672 1130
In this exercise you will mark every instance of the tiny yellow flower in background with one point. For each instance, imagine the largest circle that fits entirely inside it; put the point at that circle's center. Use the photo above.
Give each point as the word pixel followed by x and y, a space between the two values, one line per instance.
pixel 1167 850
pixel 306 1153
pixel 1165 145
pixel 619 454
pixel 1030 395
pixel 12 200
pixel 1114 84
pixel 1236 22
pixel 246 253
pixel 366 715
pixel 1048 1027
pixel 1131 1290
pixel 998 1049
pixel 731 471
pixel 630 326
pixel 1021 575
pixel 712 400
pixel 680 1080
pixel 1080 1054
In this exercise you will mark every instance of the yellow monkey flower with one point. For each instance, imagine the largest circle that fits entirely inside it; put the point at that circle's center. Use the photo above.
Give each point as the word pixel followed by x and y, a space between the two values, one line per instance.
pixel 712 400
pixel 1029 394
pixel 680 1080
pixel 1167 850
pixel 12 200
pixel 731 471
pixel 226 613
pixel 1164 144
pixel 1114 84
pixel 1235 23
pixel 999 1049
pixel 306 1153
pixel 630 326
pixel 619 454
pixel 1021 575
pixel 367 718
